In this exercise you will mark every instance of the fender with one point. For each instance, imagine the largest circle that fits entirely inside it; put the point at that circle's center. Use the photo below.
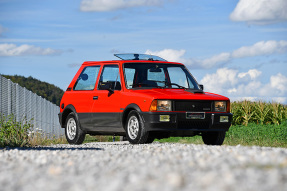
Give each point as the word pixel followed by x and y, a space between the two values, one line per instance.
pixel 68 109
pixel 126 111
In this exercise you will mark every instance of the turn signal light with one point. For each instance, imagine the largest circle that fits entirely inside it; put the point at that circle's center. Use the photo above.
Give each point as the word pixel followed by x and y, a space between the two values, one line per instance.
pixel 153 106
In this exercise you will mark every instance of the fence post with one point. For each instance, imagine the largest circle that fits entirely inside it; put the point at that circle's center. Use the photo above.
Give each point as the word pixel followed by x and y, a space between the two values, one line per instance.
pixel 9 92
pixel 17 102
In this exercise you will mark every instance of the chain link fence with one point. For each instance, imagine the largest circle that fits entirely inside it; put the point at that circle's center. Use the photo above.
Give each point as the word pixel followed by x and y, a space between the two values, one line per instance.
pixel 22 103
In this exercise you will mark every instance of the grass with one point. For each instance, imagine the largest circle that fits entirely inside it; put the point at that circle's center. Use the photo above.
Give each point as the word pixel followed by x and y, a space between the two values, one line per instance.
pixel 269 135
pixel 15 133
pixel 44 141
pixel 100 138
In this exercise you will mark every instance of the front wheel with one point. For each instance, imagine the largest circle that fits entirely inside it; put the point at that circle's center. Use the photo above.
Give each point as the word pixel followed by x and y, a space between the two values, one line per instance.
pixel 213 138
pixel 136 132
pixel 73 132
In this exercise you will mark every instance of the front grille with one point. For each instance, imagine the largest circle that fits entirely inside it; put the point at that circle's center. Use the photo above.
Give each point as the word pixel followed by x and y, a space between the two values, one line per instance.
pixel 192 124
pixel 195 106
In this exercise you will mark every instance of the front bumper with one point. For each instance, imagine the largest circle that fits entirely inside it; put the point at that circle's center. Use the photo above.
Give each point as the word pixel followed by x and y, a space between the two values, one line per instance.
pixel 178 121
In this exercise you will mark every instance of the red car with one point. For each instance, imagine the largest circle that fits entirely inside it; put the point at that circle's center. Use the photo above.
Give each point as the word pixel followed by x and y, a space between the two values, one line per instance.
pixel 141 97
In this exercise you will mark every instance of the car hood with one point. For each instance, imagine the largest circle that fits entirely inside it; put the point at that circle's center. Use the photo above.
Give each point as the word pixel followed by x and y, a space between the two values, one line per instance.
pixel 175 94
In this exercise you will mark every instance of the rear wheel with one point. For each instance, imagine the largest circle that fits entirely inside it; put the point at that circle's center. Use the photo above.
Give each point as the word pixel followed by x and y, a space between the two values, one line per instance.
pixel 213 138
pixel 73 132
pixel 136 132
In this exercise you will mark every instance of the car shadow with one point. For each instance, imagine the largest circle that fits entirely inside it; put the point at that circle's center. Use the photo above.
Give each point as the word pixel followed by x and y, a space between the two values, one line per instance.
pixel 47 148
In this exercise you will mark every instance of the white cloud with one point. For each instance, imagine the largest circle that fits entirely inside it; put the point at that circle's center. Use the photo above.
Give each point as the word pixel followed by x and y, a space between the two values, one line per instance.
pixel 260 11
pixel 246 85
pixel 261 48
pixel 211 62
pixel 223 80
pixel 110 5
pixel 250 75
pixel 277 85
pixel 178 56
pixel 25 50
pixel 169 54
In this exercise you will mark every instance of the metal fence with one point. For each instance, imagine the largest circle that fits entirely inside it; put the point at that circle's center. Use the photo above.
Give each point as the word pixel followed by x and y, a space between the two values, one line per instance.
pixel 22 103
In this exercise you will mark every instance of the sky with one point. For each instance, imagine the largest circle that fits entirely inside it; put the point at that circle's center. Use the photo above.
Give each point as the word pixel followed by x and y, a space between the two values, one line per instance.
pixel 236 48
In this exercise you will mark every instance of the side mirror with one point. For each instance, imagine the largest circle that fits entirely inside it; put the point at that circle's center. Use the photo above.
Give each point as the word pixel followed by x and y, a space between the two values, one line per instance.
pixel 84 77
pixel 106 86
pixel 201 86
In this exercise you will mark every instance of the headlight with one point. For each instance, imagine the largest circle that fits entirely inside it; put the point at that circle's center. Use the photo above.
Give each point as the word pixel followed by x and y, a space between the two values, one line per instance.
pixel 160 105
pixel 220 106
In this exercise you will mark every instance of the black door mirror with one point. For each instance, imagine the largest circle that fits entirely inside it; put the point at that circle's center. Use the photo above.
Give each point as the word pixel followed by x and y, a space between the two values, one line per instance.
pixel 106 86
pixel 201 86
pixel 84 77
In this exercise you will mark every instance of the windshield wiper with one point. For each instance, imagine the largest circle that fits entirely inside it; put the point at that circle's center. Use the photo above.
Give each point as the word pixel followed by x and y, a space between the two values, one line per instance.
pixel 166 84
pixel 144 85
pixel 175 84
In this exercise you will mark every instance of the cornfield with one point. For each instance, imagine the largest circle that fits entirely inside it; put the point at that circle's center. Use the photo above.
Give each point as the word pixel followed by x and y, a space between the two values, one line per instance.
pixel 245 112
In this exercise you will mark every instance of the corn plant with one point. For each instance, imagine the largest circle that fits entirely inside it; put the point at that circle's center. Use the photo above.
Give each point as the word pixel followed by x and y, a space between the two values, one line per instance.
pixel 246 112
pixel 277 111
pixel 237 113
pixel 261 112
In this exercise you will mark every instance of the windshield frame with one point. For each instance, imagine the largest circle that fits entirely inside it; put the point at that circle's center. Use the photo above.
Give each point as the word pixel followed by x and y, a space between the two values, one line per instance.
pixel 165 66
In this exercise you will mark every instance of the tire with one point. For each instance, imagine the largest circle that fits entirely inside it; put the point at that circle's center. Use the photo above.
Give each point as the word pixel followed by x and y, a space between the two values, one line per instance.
pixel 73 132
pixel 136 132
pixel 213 138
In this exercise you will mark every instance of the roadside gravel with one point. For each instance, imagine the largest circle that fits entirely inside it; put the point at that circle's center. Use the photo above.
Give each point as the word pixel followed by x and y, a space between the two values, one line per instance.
pixel 153 167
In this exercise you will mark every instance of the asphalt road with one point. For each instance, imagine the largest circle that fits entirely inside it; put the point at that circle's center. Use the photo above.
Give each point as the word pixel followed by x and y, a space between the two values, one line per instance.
pixel 153 167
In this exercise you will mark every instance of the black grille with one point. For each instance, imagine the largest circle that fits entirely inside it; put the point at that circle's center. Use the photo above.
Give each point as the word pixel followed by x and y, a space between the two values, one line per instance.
pixel 196 106
pixel 191 124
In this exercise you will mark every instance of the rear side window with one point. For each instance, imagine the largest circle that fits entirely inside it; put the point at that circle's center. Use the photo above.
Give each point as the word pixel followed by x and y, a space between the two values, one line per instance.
pixel 87 78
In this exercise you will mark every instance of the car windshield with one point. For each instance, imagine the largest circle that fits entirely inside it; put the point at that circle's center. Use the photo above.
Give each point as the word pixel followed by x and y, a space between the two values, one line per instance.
pixel 148 75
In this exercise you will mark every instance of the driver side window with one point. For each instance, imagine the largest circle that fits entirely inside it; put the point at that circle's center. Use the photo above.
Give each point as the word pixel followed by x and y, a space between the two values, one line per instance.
pixel 87 78
pixel 110 78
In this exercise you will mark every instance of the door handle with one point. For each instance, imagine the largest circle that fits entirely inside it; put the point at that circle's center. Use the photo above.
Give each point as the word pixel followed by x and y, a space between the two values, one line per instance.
pixel 95 97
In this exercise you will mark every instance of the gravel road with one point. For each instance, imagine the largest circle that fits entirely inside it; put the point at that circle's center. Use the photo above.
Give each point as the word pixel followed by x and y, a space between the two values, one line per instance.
pixel 153 167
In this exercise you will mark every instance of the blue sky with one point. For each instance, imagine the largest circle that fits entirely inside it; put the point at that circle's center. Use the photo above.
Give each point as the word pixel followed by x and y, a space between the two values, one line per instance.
pixel 237 48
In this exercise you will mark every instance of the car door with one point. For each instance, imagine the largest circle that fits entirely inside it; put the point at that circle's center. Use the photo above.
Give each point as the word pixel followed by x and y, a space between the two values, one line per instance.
pixel 106 108
pixel 83 92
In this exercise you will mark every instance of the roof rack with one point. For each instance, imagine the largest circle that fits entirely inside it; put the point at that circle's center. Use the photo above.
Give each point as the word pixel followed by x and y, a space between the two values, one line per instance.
pixel 135 56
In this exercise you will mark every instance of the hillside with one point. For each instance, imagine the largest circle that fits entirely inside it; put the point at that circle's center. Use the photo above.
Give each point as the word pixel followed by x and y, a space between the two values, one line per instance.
pixel 44 89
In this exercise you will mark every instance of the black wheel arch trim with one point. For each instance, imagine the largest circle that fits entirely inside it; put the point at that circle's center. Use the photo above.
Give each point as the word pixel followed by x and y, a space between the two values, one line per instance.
pixel 68 109
pixel 127 110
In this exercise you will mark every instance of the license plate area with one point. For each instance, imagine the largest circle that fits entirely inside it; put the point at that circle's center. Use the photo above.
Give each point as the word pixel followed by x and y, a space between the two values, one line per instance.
pixel 195 115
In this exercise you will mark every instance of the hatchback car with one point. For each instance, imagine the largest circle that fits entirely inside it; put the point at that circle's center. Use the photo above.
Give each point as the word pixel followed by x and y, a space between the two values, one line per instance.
pixel 141 97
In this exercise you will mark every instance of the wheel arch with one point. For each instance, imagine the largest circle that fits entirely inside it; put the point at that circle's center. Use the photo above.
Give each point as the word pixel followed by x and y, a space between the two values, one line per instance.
pixel 68 109
pixel 127 110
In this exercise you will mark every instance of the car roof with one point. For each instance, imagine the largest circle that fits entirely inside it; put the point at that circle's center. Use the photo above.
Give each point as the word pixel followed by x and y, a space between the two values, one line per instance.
pixel 127 58
pixel 128 61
